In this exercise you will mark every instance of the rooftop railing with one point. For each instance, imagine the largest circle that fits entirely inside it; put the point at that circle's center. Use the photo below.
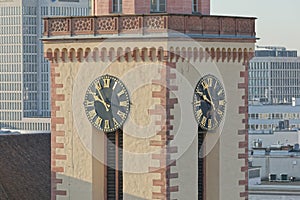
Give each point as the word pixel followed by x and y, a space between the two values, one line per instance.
pixel 152 23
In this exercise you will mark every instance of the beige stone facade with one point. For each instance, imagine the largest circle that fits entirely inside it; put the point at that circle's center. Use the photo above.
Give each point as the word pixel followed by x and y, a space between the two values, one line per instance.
pixel 160 142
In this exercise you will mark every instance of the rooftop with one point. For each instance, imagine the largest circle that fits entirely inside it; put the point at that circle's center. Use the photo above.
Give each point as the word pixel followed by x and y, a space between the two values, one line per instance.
pixel 25 166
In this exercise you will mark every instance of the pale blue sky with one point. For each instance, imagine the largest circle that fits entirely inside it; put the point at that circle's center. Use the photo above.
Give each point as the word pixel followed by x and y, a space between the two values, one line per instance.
pixel 278 22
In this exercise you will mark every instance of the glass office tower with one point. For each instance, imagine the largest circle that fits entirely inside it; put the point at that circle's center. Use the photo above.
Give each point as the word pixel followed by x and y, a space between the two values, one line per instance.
pixel 24 72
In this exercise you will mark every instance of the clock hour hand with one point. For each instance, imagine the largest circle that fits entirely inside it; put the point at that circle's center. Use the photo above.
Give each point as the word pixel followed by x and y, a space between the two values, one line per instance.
pixel 107 106
pixel 211 100
pixel 205 98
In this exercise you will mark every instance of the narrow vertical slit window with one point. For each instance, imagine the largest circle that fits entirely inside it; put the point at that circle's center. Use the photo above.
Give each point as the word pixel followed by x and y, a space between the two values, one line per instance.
pixel 114 170
pixel 201 136
pixel 158 5
pixel 117 6
pixel 195 5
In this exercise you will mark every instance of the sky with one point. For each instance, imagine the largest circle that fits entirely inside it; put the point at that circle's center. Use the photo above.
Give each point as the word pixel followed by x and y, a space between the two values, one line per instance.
pixel 277 24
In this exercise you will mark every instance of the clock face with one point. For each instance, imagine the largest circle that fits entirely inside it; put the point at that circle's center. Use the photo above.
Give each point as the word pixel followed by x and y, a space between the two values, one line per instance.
pixel 209 102
pixel 107 103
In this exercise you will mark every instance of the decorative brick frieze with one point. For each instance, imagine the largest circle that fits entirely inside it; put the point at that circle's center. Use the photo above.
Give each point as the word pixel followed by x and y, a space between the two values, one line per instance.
pixel 154 23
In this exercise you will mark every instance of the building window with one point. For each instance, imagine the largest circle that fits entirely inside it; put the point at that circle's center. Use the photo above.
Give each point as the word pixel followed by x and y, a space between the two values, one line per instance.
pixel 117 6
pixel 201 168
pixel 158 5
pixel 195 5
pixel 114 159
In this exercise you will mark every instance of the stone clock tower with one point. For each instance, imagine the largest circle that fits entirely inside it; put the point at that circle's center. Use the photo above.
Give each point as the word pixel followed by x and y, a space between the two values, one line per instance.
pixel 149 101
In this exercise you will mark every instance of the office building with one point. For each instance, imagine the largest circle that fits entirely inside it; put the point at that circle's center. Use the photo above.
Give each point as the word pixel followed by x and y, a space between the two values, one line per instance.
pixel 269 118
pixel 274 76
pixel 24 73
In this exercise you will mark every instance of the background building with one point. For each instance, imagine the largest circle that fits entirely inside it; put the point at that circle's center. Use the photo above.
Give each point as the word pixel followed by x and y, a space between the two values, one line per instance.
pixel 276 157
pixel 269 117
pixel 274 90
pixel 274 76
pixel 24 73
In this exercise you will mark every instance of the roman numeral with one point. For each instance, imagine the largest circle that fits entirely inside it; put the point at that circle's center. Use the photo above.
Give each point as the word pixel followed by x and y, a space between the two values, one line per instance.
pixel 121 93
pixel 216 83
pixel 203 121
pixel 220 112
pixel 209 123
pixel 106 82
pixel 204 84
pixel 199 113
pixel 116 123
pixel 124 103
pixel 209 82
pixel 106 124
pixel 98 121
pixel 92 114
pixel 220 92
pixel 121 114
pixel 98 86
pixel 222 102
pixel 197 103
pixel 115 85
pixel 89 103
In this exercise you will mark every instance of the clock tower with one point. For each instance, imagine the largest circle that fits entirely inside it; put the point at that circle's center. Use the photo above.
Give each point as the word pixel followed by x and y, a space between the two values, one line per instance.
pixel 149 101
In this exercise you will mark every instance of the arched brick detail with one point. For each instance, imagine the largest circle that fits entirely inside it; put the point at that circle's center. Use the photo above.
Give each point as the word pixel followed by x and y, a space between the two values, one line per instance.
pixel 224 54
pixel 56 55
pixel 111 54
pixel 195 54
pixel 177 54
pixel 183 54
pixel 229 55
pixel 95 54
pixel 144 53
pixel 207 53
pixel 240 55
pixel 190 54
pixel 48 54
pixel 218 54
pixel 172 54
pixel 79 55
pixel 161 54
pixel 201 54
pixel 136 55
pixel 234 55
pixel 64 55
pixel 72 55
pixel 212 54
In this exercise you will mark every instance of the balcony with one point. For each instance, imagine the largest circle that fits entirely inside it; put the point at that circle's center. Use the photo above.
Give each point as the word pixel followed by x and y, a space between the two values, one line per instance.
pixel 134 25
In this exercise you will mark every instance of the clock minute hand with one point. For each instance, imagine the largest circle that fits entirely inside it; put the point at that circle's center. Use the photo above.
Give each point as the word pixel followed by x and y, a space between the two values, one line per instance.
pixel 102 101
pixel 209 101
